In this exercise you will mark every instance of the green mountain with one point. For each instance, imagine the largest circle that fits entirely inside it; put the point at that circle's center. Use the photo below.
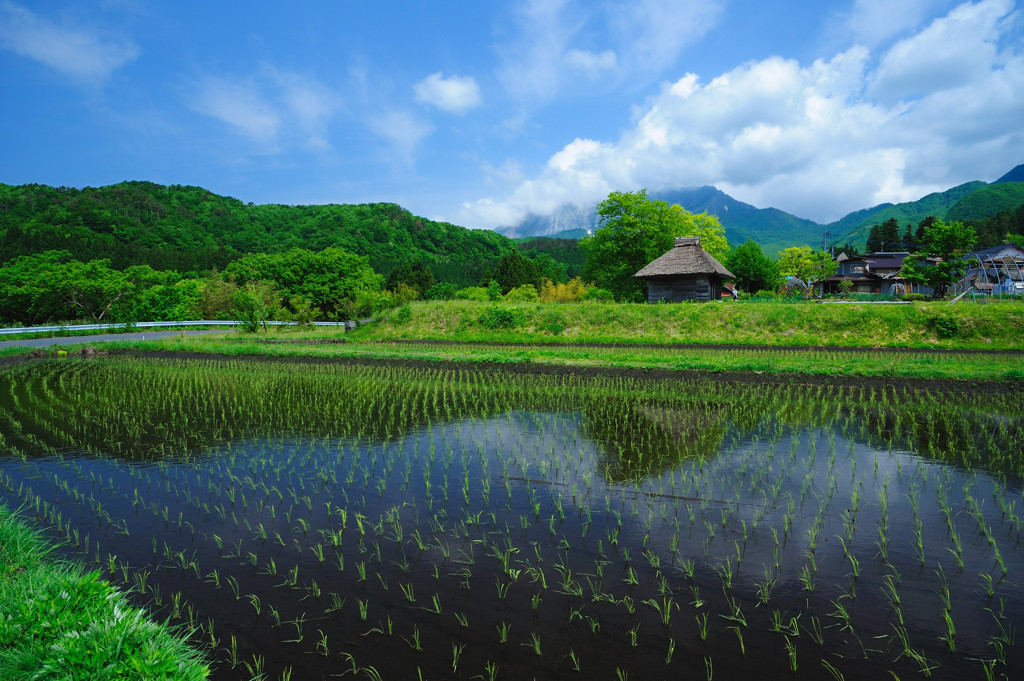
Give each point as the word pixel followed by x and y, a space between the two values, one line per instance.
pixel 190 229
pixel 772 228
pixel 855 226
pixel 988 201
pixel 1015 175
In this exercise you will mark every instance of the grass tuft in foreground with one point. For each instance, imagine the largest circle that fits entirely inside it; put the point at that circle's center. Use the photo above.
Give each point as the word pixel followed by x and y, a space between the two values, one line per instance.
pixel 57 621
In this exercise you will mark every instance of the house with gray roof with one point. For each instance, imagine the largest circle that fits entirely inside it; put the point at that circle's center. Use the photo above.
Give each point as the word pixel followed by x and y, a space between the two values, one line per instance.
pixel 685 272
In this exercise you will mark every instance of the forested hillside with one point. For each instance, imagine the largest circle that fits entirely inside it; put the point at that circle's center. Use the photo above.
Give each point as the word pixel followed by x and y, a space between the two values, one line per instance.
pixel 988 201
pixel 855 226
pixel 191 230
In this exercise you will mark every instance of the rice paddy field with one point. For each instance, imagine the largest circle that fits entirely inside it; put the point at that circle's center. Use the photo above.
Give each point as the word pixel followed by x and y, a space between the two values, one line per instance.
pixel 316 520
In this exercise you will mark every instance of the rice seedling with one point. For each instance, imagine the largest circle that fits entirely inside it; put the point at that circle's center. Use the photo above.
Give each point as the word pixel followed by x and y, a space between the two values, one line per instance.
pixel 617 487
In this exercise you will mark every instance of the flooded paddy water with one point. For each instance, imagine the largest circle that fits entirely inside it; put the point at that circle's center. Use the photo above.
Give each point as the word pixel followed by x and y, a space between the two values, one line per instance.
pixel 309 521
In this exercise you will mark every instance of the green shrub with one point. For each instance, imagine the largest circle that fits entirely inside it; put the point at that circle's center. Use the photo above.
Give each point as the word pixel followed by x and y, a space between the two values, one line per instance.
pixel 494 291
pixel 527 293
pixel 442 291
pixel 944 327
pixel 553 322
pixel 403 315
pixel 912 296
pixel 472 293
pixel 599 294
pixel 500 317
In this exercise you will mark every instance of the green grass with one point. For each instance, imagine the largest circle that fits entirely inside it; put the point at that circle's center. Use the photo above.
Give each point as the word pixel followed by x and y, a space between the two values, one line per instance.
pixel 57 621
pixel 919 325
pixel 795 362
pixel 555 334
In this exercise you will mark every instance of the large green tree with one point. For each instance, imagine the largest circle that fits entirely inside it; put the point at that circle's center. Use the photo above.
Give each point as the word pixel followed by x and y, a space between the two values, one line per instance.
pixel 753 270
pixel 938 263
pixel 885 237
pixel 414 274
pixel 634 231
pixel 514 270
pixel 807 265
pixel 53 287
pixel 331 280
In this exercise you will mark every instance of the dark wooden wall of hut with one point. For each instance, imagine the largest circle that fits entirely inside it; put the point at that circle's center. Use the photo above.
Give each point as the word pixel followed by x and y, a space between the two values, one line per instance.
pixel 701 288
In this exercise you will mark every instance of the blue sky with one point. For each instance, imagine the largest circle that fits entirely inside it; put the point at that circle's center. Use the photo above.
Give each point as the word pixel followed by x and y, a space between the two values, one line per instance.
pixel 481 113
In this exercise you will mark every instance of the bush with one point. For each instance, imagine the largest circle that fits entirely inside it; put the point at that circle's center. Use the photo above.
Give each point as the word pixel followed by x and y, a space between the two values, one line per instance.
pixel 367 302
pixel 403 293
pixel 572 292
pixel 526 293
pixel 443 291
pixel 494 291
pixel 599 294
pixel 403 315
pixel 498 317
pixel 912 296
pixel 944 327
pixel 553 322
pixel 472 293
pixel 300 311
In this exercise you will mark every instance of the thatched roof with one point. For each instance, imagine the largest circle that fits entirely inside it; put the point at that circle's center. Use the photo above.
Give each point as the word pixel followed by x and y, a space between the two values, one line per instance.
pixel 687 257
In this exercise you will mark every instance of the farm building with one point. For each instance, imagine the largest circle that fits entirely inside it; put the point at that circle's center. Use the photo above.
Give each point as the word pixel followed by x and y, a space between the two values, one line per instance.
pixel 685 272
pixel 997 270
pixel 875 273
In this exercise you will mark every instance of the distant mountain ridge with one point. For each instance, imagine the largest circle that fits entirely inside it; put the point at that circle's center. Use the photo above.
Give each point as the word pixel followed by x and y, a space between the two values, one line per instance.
pixel 772 228
pixel 776 230
pixel 855 226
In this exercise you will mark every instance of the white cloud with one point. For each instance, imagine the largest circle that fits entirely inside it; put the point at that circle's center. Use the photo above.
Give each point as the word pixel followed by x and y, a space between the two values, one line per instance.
pixel 818 140
pixel 78 52
pixel 455 94
pixel 241 105
pixel 952 51
pixel 652 33
pixel 274 108
pixel 553 41
pixel 309 103
pixel 590 63
pixel 532 62
pixel 872 21
pixel 402 130
pixel 508 175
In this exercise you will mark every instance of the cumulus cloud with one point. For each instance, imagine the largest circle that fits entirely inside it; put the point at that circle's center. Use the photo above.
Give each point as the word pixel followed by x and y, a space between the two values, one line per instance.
pixel 81 53
pixel 952 51
pixel 818 140
pixel 455 94
pixel 272 107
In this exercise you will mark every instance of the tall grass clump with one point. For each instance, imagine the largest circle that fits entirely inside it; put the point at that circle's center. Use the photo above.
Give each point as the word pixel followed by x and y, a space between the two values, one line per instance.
pixel 57 621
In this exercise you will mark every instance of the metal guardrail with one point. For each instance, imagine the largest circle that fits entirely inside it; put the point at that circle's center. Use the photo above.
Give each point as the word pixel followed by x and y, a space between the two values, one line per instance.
pixel 150 325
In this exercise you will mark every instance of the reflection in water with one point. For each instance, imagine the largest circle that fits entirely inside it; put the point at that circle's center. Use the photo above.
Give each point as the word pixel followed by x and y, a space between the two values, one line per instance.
pixel 310 513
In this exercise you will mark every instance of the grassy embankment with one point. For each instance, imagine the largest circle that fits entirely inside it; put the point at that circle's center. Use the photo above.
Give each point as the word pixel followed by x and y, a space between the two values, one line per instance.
pixel 553 334
pixel 920 325
pixel 57 621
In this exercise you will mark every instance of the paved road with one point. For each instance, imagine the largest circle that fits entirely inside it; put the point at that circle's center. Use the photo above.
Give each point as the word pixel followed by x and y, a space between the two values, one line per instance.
pixel 76 340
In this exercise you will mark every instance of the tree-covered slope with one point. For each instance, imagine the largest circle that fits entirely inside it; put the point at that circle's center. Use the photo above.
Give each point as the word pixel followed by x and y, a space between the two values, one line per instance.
pixel 772 228
pixel 988 201
pixel 190 229
pixel 855 226
pixel 1015 175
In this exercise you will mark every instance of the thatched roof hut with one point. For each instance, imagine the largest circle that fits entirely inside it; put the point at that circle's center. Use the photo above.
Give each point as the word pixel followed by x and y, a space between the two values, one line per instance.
pixel 685 272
